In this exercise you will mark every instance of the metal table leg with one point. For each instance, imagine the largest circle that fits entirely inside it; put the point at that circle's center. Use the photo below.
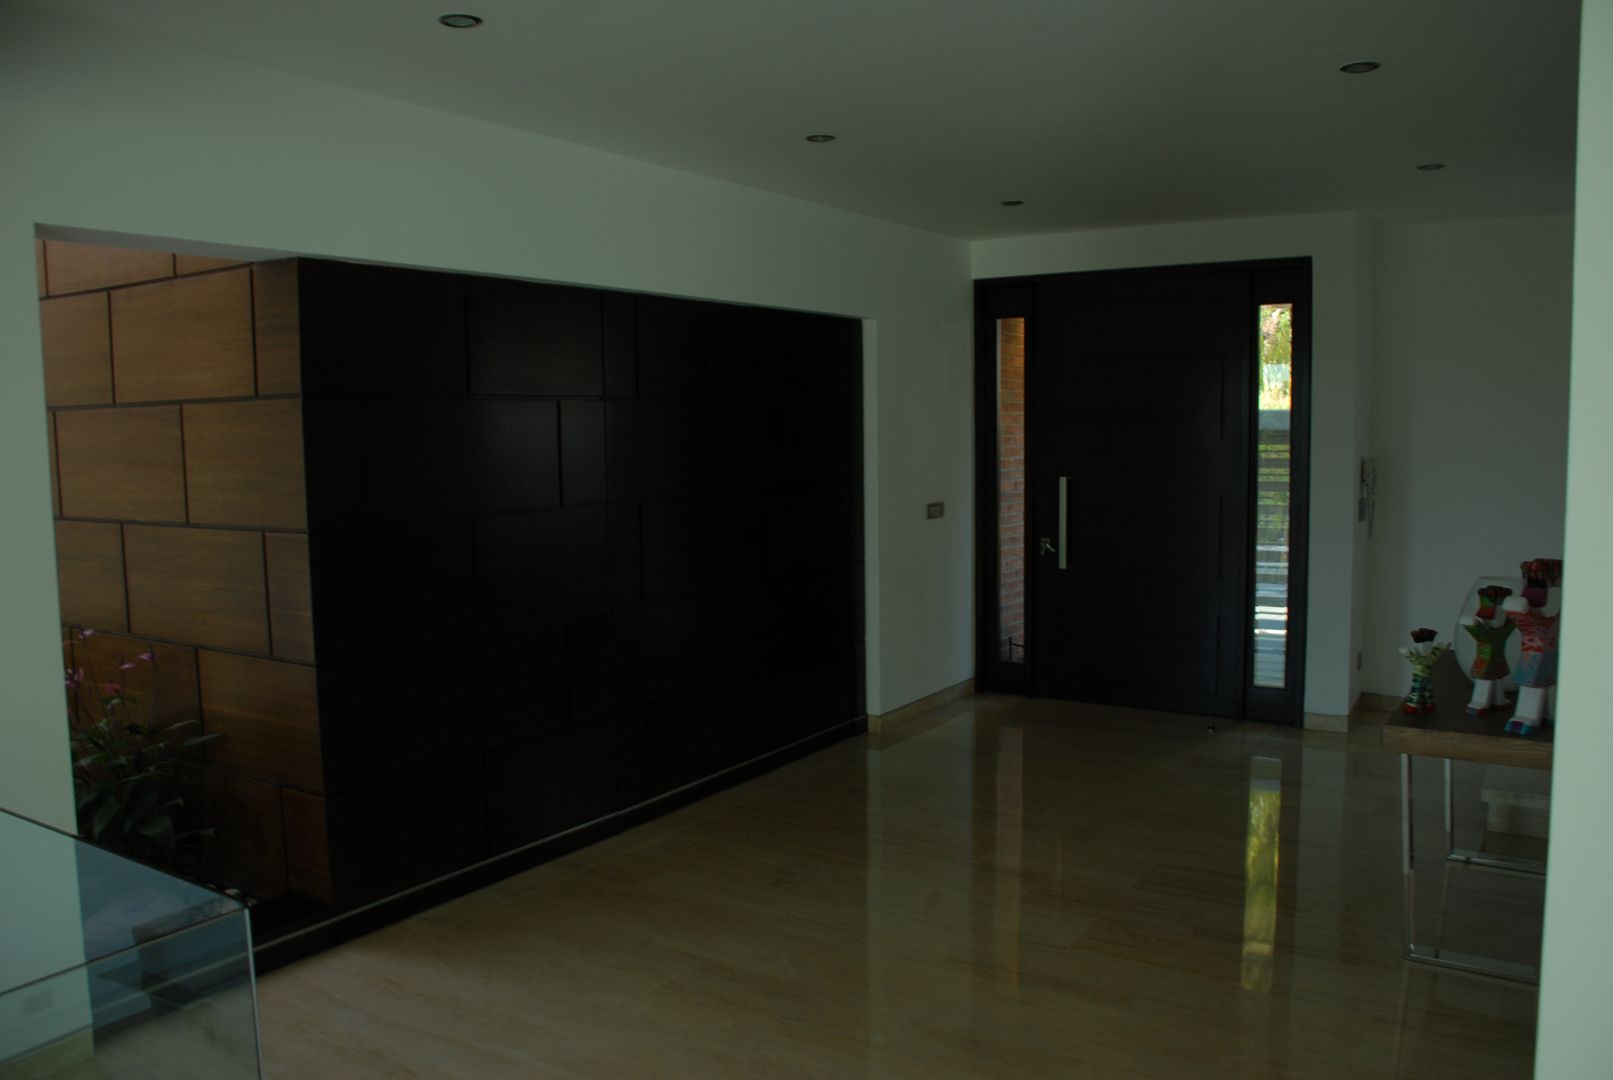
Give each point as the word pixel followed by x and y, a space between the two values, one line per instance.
pixel 1407 860
pixel 1450 812
pixel 1469 857
pixel 1433 955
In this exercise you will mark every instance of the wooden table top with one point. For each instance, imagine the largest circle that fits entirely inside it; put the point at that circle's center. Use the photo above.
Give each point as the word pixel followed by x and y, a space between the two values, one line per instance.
pixel 1449 732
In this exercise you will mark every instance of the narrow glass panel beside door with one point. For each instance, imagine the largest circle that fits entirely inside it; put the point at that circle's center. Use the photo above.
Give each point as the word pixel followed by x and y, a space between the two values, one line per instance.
pixel 1274 385
pixel 1011 490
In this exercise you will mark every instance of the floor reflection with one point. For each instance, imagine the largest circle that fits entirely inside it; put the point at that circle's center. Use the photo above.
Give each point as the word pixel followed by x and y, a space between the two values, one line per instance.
pixel 1260 871
pixel 1007 888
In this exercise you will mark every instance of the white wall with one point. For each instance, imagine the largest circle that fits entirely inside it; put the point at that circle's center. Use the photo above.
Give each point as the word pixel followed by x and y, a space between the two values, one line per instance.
pixel 1575 1039
pixel 116 135
pixel 1339 364
pixel 1470 415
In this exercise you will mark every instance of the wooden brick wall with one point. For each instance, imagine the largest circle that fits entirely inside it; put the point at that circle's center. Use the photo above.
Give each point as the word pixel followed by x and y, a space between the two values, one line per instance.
pixel 555 542
pixel 173 391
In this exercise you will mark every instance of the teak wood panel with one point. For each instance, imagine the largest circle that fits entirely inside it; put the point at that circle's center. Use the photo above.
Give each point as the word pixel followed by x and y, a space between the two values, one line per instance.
pixel 89 574
pixel 243 463
pixel 291 611
pixel 307 844
pixel 71 268
pixel 250 848
pixel 276 327
pixel 55 468
pixel 39 267
pixel 184 339
pixel 201 264
pixel 267 717
pixel 121 463
pixel 204 586
pixel 77 342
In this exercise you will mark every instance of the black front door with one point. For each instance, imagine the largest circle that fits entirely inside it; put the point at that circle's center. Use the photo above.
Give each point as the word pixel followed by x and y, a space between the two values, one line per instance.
pixel 1140 436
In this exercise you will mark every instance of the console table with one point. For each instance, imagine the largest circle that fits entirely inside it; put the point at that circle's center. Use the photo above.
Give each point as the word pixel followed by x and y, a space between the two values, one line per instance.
pixel 1450 734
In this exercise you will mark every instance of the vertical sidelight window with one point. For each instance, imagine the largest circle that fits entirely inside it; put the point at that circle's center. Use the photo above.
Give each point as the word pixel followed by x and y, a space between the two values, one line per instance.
pixel 1274 387
pixel 1011 490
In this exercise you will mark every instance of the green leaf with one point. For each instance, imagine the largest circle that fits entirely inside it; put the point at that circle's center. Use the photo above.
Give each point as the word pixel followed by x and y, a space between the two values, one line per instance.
pixel 104 815
pixel 159 827
pixel 142 799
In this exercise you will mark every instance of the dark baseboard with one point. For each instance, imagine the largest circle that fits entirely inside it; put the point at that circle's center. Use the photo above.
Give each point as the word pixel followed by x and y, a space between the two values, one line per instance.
pixel 280 941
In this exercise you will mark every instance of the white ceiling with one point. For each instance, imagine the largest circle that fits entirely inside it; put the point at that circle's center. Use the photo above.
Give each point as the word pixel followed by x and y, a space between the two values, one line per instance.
pixel 1095 112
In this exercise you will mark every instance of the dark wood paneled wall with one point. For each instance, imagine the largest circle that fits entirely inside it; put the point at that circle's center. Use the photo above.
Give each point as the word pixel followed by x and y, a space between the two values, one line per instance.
pixel 569 549
pixel 176 443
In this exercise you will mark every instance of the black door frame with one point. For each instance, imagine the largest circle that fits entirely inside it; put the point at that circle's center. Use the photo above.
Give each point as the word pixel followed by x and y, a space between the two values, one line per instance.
pixel 1272 281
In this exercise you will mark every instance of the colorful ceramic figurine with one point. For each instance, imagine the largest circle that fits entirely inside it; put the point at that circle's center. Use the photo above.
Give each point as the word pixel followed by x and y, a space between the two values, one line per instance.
pixel 1489 628
pixel 1421 655
pixel 1535 615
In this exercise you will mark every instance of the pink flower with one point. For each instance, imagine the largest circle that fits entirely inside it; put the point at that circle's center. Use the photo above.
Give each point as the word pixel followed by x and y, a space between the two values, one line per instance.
pixel 126 665
pixel 86 632
pixel 148 655
pixel 112 688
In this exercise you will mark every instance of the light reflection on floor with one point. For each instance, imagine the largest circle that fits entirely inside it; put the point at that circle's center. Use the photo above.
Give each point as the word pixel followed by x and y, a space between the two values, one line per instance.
pixel 1008 888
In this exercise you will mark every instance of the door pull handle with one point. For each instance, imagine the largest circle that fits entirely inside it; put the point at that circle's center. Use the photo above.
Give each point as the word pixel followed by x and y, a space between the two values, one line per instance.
pixel 1064 522
pixel 1047 547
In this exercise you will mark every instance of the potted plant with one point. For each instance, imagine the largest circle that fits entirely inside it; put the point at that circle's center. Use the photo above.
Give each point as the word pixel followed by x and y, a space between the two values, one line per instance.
pixel 123 763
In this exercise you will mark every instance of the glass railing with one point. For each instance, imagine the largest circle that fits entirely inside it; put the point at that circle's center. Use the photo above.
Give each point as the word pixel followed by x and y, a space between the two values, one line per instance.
pixel 110 968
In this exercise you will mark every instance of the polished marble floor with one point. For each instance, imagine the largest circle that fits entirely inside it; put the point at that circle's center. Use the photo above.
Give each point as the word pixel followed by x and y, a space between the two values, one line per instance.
pixel 1004 888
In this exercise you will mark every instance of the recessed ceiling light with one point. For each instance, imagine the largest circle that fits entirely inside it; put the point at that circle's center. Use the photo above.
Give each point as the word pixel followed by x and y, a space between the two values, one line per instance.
pixel 1013 202
pixel 1360 67
pixel 1431 166
pixel 460 21
pixel 820 138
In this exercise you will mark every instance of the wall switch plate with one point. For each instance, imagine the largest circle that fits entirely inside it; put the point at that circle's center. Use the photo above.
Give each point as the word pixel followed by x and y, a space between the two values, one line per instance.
pixel 935 510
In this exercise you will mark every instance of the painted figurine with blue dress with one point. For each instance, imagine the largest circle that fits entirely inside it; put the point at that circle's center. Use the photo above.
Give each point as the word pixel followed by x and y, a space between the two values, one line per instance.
pixel 1535 614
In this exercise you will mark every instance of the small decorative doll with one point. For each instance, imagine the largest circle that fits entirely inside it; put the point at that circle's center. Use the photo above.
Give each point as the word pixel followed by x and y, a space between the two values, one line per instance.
pixel 1421 655
pixel 1535 615
pixel 1541 579
pixel 1489 628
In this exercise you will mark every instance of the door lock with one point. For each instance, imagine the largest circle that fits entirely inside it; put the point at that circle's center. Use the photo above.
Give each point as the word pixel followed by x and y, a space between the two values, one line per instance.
pixel 1047 547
